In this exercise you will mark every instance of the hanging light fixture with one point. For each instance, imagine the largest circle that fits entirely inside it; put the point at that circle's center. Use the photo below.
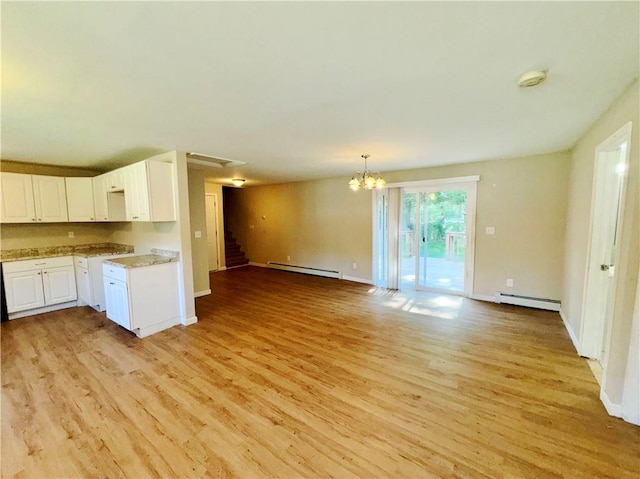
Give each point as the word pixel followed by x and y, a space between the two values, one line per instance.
pixel 367 180
pixel 238 182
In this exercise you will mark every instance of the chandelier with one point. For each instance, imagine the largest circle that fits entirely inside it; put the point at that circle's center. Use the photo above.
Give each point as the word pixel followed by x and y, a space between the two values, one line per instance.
pixel 367 180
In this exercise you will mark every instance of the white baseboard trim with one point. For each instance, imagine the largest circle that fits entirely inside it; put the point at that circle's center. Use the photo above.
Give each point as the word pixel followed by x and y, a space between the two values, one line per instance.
pixel 483 297
pixel 156 328
pixel 613 409
pixel 355 279
pixel 260 265
pixel 206 292
pixel 567 326
pixel 189 321
pixel 44 309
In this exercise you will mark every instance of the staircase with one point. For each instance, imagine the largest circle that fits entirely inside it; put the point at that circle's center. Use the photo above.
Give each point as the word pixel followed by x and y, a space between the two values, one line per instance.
pixel 233 255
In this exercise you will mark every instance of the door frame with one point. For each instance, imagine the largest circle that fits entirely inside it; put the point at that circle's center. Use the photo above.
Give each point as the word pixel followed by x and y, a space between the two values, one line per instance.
pixel 215 226
pixel 463 182
pixel 594 331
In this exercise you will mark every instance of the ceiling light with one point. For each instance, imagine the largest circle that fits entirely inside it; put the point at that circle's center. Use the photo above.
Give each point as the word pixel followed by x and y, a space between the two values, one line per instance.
pixel 367 179
pixel 532 78
pixel 238 182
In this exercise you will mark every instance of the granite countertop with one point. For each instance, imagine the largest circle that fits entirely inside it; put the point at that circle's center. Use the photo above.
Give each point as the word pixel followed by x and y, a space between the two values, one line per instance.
pixel 86 250
pixel 157 256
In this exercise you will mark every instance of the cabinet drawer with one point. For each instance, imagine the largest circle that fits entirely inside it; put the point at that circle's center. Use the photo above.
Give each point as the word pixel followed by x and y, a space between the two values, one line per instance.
pixel 114 272
pixel 32 264
pixel 81 261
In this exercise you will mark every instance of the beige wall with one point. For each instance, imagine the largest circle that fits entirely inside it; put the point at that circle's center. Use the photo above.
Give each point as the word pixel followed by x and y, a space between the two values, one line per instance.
pixel 18 236
pixel 580 192
pixel 216 189
pixel 323 224
pixel 197 212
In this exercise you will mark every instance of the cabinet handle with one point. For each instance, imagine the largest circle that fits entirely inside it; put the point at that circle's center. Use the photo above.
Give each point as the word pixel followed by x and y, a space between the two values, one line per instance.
pixel 40 264
pixel 38 274
pixel 135 217
pixel 33 219
pixel 44 272
pixel 39 219
pixel 112 283
pixel 91 219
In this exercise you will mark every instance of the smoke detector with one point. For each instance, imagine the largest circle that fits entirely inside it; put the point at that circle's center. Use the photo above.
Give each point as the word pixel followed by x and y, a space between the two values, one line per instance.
pixel 532 78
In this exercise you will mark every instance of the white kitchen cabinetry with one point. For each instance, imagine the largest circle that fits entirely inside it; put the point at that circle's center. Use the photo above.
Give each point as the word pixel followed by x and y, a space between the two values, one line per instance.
pixel 109 205
pixel 116 179
pixel 16 197
pixel 142 299
pixel 32 198
pixel 149 193
pixel 80 199
pixel 89 280
pixel 40 283
pixel 50 198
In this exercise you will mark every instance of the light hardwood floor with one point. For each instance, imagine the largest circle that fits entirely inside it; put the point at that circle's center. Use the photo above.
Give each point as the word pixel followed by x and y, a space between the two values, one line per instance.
pixel 290 376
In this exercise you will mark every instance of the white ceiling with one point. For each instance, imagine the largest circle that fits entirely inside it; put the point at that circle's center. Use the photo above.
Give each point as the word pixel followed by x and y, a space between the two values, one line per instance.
pixel 300 90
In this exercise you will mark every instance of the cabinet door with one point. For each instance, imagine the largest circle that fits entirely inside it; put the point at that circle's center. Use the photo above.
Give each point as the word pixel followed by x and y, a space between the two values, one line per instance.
pixel 100 203
pixel 59 285
pixel 83 282
pixel 117 299
pixel 50 199
pixel 136 192
pixel 16 198
pixel 116 179
pixel 80 199
pixel 23 290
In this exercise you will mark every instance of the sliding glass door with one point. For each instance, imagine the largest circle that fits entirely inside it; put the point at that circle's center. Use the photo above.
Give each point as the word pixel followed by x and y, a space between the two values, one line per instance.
pixel 433 246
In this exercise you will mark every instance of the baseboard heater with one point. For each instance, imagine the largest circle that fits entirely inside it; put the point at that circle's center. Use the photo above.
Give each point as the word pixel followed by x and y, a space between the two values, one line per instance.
pixel 327 273
pixel 528 301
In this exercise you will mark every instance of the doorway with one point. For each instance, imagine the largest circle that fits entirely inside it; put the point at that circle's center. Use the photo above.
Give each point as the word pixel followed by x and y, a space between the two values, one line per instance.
pixel 433 239
pixel 611 163
pixel 424 235
pixel 211 205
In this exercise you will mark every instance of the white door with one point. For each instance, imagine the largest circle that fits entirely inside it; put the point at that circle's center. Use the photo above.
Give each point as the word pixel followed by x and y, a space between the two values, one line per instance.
pixel 23 290
pixel 50 198
pixel 80 199
pixel 16 198
pixel 212 231
pixel 83 282
pixel 606 215
pixel 59 285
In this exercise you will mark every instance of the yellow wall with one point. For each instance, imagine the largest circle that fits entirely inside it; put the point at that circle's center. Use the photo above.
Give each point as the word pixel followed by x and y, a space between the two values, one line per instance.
pixel 580 193
pixel 322 224
pixel 197 211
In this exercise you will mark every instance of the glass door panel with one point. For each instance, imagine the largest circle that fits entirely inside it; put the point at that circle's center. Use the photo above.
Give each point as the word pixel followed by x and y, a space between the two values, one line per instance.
pixel 433 240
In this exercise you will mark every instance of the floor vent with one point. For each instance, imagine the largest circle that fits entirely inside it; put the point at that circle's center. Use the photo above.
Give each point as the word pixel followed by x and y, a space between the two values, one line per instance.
pixel 528 301
pixel 327 273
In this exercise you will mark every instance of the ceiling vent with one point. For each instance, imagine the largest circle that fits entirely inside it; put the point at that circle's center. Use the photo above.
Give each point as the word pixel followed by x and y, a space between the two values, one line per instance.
pixel 211 161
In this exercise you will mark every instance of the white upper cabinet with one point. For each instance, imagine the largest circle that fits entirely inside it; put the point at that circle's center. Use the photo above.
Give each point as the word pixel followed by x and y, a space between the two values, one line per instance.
pixel 50 199
pixel 149 191
pixel 80 199
pixel 136 192
pixel 116 179
pixel 100 200
pixel 16 198
pixel 33 198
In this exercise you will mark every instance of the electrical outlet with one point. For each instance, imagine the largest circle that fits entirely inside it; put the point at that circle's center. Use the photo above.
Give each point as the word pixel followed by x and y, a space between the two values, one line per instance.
pixel 72 234
pixel 288 258
pixel 354 265
pixel 509 283
pixel 490 230
pixel 251 227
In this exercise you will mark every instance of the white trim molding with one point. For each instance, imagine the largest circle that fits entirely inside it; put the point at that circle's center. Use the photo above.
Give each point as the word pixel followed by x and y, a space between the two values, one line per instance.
pixel 355 279
pixel 436 182
pixel 569 329
pixel 483 297
pixel 189 321
pixel 612 408
pixel 205 292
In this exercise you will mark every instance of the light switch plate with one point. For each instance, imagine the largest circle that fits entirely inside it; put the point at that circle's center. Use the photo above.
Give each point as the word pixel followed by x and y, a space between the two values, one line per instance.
pixel 197 234
pixel 490 230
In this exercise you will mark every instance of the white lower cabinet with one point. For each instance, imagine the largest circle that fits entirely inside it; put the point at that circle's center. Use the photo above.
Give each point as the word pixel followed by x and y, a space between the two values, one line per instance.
pixel 91 291
pixel 142 299
pixel 35 284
